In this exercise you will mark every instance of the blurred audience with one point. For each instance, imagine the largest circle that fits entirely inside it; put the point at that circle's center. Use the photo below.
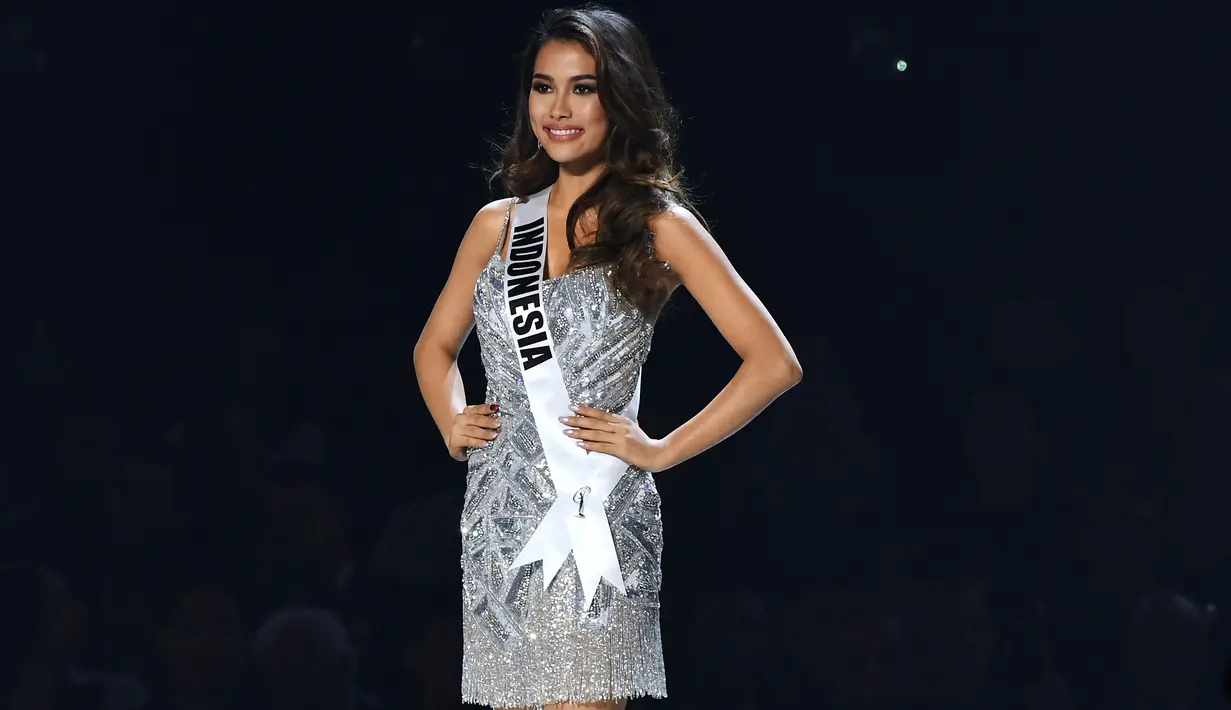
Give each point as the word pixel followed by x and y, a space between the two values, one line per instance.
pixel 1006 554
pixel 202 650
pixel 1167 654
pixel 865 660
pixel 303 660
pixel 956 642
pixel 43 646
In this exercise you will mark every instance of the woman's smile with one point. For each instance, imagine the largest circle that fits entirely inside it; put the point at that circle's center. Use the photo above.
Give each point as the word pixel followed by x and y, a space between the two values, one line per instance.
pixel 564 133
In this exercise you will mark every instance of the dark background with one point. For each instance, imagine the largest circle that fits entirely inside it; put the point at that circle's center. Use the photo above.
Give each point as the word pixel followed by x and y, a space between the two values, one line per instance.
pixel 999 485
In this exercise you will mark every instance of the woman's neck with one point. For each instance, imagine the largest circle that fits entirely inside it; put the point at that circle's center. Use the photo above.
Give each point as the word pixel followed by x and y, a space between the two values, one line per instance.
pixel 572 183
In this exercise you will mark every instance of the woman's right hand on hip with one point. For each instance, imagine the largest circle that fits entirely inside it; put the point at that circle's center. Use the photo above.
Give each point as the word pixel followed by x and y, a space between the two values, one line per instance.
pixel 475 426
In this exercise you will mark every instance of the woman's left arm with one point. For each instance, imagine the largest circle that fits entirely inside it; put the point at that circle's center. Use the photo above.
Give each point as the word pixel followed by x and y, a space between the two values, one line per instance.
pixel 769 365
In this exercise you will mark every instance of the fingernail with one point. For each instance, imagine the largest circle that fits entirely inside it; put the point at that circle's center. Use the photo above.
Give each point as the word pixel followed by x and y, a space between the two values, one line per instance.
pixel 568 432
pixel 495 407
pixel 564 420
pixel 574 408
pixel 582 444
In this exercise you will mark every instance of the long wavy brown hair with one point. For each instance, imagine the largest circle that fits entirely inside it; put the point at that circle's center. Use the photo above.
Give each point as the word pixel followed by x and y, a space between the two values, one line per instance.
pixel 641 180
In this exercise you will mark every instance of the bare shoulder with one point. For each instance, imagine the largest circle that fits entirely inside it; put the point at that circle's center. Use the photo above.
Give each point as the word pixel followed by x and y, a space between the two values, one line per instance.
pixel 453 315
pixel 488 221
pixel 483 234
pixel 679 235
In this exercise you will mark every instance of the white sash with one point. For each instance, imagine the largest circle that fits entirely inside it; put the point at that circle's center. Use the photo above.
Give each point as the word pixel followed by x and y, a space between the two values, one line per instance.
pixel 577 521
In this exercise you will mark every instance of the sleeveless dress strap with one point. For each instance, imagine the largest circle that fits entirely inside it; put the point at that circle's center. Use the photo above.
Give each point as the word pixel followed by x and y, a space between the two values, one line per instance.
pixel 504 230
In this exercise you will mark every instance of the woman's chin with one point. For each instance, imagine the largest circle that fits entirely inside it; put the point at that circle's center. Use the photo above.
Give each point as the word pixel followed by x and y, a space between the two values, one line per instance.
pixel 575 160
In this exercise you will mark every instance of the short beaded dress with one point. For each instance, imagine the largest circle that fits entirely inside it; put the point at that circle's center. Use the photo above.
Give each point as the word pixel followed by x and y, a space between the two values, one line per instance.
pixel 525 647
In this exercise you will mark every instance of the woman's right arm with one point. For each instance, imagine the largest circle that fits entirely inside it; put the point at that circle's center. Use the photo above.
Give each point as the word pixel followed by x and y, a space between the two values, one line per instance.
pixel 450 323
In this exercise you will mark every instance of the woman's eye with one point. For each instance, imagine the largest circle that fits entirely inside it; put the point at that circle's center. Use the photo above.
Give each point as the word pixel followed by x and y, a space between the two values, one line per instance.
pixel 540 88
pixel 584 89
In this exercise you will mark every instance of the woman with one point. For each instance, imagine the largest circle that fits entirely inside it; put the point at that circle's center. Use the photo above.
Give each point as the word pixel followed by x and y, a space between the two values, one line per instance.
pixel 561 532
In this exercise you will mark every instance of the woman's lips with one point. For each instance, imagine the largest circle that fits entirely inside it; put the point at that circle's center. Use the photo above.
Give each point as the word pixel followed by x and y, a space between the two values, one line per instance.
pixel 564 134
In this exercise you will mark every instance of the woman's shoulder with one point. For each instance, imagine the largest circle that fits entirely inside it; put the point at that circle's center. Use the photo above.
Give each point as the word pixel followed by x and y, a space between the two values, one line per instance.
pixel 488 221
pixel 483 234
pixel 492 214
pixel 676 219
pixel 677 231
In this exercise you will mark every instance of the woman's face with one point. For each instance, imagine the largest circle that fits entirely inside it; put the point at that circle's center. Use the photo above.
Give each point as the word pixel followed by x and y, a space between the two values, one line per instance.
pixel 565 112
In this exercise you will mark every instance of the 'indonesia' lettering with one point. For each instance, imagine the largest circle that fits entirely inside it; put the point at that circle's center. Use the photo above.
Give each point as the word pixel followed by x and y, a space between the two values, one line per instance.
pixel 524 289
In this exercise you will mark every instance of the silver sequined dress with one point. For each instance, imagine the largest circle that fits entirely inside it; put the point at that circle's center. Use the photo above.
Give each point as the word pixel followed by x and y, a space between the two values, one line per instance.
pixel 523 646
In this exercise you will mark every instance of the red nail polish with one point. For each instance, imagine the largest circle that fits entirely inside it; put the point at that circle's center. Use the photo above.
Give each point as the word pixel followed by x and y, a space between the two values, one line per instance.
pixel 495 408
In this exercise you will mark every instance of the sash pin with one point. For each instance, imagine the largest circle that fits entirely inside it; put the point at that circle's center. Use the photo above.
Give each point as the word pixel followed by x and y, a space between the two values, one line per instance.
pixel 580 499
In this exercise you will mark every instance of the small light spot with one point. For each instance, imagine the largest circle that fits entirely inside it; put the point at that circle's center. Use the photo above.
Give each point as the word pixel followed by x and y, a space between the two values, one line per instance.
pixel 901 65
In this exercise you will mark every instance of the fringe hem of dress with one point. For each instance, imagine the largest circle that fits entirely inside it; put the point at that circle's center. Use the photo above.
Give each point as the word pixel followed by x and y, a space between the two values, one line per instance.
pixel 507 704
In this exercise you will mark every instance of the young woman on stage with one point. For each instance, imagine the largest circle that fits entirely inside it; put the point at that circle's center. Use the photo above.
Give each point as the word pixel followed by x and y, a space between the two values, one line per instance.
pixel 561 531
